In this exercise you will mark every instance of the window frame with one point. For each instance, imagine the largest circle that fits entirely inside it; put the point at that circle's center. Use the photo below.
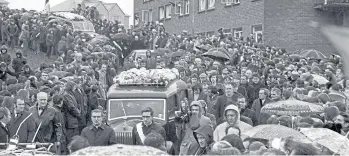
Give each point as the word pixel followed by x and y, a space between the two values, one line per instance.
pixel 168 13
pixel 200 5
pixel 164 12
pixel 179 8
pixel 211 2
pixel 256 33
pixel 238 30
pixel 186 7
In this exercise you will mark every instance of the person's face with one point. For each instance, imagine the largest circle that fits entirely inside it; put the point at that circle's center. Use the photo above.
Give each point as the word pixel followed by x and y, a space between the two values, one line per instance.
pixel 248 73
pixel 195 110
pixel 255 79
pixel 198 61
pixel 243 80
pixel 227 80
pixel 229 90
pixel 20 105
pixel 261 94
pixel 215 65
pixel 242 103
pixel 96 118
pixel 231 116
pixel 42 100
pixel 225 72
pixel 274 95
pixel 44 76
pixel 213 79
pixel 201 140
pixel 176 64
pixel 7 118
pixel 207 63
pixel 147 118
pixel 194 80
pixel 104 67
pixel 339 120
pixel 158 58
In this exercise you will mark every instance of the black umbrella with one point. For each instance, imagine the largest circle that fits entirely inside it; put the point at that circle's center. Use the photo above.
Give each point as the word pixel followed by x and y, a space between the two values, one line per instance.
pixel 217 54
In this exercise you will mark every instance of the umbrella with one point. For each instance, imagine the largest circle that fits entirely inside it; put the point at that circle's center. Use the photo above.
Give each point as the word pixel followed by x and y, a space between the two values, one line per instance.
pixel 121 36
pixel 119 149
pixel 328 138
pixel 270 132
pixel 292 107
pixel 320 79
pixel 313 54
pixel 204 48
pixel 337 96
pixel 217 54
pixel 178 53
pixel 59 74
pixel 96 40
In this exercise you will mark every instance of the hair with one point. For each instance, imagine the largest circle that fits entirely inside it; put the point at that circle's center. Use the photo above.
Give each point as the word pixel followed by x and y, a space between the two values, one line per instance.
pixel 277 90
pixel 97 111
pixel 266 91
pixel 4 112
pixel 237 128
pixel 77 143
pixel 148 109
pixel 57 99
pixel 155 140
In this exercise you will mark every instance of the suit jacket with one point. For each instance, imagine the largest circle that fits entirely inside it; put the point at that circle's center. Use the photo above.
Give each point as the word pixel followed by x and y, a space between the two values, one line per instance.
pixel 257 106
pixel 50 124
pixel 4 135
pixel 250 114
pixel 27 130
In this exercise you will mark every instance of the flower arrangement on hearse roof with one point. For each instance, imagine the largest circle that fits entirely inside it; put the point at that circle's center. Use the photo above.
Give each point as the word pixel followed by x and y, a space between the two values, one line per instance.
pixel 142 76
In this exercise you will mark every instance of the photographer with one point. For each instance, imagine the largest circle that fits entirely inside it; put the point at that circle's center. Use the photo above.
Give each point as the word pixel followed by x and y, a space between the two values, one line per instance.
pixel 188 122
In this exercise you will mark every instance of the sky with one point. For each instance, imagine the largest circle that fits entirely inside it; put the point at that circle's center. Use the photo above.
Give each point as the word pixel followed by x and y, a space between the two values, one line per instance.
pixel 126 5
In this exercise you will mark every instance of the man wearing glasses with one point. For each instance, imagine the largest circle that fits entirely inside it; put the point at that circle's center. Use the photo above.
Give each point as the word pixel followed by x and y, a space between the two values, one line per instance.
pixel 98 134
pixel 142 129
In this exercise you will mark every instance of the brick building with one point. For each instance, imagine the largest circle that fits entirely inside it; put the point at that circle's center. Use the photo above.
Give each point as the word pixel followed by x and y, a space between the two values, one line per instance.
pixel 283 23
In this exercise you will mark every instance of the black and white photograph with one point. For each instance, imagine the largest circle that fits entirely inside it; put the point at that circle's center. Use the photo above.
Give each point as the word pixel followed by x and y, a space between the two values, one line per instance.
pixel 174 77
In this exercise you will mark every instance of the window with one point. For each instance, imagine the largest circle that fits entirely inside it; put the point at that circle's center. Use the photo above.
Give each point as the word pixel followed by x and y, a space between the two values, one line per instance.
pixel 168 11
pixel 172 106
pixel 202 5
pixel 150 15
pixel 237 32
pixel 145 1
pixel 145 15
pixel 161 13
pixel 236 1
pixel 178 9
pixel 227 2
pixel 226 31
pixel 136 19
pixel 257 32
pixel 186 7
pixel 211 3
pixel 210 33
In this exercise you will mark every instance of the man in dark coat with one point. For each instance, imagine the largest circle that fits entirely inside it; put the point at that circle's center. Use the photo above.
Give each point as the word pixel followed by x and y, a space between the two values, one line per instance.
pixel 46 117
pixel 142 129
pixel 5 118
pixel 4 71
pixel 71 112
pixel 4 56
pixel 223 101
pixel 98 134
pixel 246 112
pixel 261 101
pixel 257 85
pixel 81 100
pixel 22 123
pixel 19 62
pixel 12 31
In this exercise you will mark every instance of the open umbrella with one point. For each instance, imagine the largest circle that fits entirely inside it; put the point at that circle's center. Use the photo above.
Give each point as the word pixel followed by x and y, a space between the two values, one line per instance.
pixel 292 107
pixel 337 96
pixel 270 132
pixel 313 54
pixel 320 79
pixel 162 50
pixel 217 54
pixel 204 48
pixel 328 138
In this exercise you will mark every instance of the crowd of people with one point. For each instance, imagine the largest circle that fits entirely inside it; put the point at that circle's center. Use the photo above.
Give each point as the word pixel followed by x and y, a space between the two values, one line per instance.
pixel 63 99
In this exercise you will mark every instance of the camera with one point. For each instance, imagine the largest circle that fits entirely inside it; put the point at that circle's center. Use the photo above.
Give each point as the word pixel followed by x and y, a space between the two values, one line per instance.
pixel 182 116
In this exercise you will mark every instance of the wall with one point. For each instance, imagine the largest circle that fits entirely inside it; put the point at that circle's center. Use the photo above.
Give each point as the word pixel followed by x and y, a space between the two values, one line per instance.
pixel 287 25
pixel 246 14
pixel 346 19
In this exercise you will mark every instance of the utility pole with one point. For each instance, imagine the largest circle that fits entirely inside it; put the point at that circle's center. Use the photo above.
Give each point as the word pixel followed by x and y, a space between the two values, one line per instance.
pixel 193 20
